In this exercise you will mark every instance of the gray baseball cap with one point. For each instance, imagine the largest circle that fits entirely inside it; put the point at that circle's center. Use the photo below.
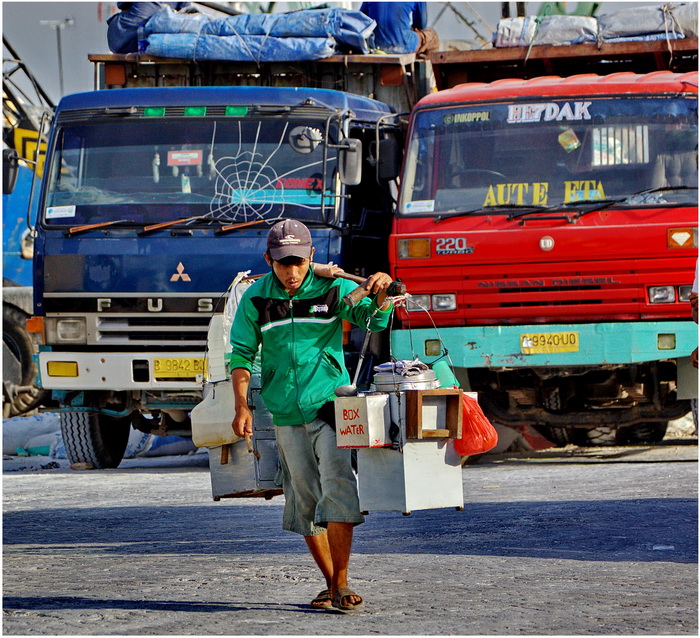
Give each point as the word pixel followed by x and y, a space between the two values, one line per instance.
pixel 289 238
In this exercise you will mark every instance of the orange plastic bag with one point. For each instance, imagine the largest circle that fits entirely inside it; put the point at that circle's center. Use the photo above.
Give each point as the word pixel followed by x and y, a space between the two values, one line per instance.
pixel 478 435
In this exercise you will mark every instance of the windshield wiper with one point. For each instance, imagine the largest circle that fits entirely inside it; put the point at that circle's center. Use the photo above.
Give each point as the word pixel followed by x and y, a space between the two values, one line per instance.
pixel 488 209
pixel 79 229
pixel 663 189
pixel 174 222
pixel 226 229
pixel 600 204
pixel 271 221
pixel 221 230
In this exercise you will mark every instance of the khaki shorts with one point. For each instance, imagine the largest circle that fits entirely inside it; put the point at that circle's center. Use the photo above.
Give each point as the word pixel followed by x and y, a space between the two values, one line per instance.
pixel 429 40
pixel 317 478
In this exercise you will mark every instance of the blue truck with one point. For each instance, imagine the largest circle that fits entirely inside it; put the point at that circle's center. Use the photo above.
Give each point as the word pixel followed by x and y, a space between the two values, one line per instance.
pixel 153 200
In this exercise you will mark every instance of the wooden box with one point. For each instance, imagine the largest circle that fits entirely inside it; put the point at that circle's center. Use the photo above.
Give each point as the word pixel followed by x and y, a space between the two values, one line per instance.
pixel 433 414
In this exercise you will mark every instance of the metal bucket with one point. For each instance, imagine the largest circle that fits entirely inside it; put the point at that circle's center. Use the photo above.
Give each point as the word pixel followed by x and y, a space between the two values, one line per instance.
pixel 392 382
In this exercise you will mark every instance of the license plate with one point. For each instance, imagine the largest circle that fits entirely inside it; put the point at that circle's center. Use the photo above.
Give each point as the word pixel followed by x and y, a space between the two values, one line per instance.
pixel 178 368
pixel 545 342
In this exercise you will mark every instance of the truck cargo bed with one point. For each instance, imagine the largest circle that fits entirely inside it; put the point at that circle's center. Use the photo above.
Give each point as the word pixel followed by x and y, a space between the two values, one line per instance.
pixel 398 80
pixel 486 65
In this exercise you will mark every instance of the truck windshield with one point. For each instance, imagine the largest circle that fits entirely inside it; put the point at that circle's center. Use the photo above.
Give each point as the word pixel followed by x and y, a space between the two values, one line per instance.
pixel 551 153
pixel 155 170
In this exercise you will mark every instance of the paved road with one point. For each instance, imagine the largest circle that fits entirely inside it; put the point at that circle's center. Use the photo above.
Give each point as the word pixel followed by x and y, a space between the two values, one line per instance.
pixel 562 542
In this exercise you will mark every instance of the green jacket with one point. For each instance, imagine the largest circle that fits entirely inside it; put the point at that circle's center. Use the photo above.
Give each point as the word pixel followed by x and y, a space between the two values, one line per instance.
pixel 302 358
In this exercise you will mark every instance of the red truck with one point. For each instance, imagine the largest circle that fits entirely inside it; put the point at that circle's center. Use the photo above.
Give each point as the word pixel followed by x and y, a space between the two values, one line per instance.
pixel 549 225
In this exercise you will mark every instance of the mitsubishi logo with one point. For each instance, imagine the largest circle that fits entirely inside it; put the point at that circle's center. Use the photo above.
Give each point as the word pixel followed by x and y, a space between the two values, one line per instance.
pixel 180 274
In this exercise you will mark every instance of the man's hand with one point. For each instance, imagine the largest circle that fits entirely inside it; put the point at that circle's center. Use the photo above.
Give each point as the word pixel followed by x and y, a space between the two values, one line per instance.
pixel 243 421
pixel 694 357
pixel 377 284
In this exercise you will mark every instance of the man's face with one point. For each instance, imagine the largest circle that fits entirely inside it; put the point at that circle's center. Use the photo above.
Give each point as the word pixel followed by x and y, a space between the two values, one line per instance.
pixel 291 271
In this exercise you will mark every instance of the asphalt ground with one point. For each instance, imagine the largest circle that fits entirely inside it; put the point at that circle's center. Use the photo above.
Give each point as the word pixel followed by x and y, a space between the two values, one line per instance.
pixel 570 541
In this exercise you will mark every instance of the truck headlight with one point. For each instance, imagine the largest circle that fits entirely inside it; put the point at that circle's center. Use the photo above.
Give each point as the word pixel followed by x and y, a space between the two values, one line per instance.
pixel 662 294
pixel 418 302
pixel 684 293
pixel 445 302
pixel 65 330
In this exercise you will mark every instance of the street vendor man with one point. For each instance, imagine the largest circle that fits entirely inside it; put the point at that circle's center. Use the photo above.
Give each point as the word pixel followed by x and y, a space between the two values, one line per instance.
pixel 296 316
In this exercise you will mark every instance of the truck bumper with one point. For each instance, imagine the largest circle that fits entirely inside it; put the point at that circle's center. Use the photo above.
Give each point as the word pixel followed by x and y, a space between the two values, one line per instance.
pixel 117 371
pixel 598 344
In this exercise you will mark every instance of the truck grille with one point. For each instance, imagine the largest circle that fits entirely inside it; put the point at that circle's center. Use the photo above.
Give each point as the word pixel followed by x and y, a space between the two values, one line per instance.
pixel 164 320
pixel 550 298
pixel 539 293
pixel 185 331
pixel 566 295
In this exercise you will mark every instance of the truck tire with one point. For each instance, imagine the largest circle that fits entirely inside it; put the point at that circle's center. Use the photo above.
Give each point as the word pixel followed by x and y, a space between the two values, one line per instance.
pixel 602 435
pixel 561 436
pixel 648 432
pixel 20 392
pixel 94 438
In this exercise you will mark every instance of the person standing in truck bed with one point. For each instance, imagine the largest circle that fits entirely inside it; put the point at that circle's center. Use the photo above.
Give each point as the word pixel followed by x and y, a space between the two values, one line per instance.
pixel 297 318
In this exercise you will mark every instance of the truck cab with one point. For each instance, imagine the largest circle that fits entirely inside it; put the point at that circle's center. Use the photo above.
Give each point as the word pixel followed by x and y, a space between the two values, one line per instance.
pixel 154 199
pixel 550 225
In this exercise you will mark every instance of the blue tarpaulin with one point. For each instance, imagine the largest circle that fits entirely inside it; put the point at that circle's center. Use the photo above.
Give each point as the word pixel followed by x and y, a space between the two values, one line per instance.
pixel 301 35
pixel 257 48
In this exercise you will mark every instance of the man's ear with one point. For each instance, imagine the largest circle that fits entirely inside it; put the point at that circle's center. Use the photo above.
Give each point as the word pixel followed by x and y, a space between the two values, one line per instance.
pixel 268 259
pixel 311 256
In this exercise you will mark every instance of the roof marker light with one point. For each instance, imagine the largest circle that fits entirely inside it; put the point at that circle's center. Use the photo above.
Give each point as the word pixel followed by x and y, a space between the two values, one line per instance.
pixel 195 111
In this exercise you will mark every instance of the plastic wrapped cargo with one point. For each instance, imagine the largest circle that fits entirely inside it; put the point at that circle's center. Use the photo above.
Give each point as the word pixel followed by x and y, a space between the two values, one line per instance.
pixel 515 32
pixel 557 30
pixel 551 30
pixel 667 21
pixel 676 20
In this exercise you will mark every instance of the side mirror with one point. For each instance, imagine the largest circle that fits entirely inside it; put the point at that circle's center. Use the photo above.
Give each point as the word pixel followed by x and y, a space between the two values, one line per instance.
pixel 389 165
pixel 350 161
pixel 10 169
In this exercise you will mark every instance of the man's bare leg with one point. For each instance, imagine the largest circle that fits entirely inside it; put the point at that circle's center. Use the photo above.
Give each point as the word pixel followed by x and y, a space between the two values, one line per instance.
pixel 321 553
pixel 331 552
pixel 340 544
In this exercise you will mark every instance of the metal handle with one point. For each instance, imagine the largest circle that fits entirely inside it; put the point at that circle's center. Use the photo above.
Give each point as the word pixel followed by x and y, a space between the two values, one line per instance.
pixel 249 444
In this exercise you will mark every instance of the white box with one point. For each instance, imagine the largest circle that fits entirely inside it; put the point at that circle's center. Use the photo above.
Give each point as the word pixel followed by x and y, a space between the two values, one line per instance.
pixel 362 421
pixel 426 474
